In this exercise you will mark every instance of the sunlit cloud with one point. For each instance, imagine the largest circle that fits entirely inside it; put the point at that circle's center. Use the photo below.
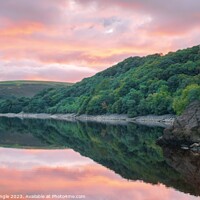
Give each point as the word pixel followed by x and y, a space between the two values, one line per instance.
pixel 92 34
pixel 33 70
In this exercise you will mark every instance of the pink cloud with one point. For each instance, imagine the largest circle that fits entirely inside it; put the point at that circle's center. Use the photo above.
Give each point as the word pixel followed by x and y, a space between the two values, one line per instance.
pixel 91 33
pixel 29 70
pixel 44 11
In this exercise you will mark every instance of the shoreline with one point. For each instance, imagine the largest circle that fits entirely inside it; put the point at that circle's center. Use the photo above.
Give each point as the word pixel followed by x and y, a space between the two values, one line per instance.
pixel 149 120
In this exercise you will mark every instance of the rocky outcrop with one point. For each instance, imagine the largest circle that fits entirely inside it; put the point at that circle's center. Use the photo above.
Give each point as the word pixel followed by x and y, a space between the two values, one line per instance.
pixel 186 128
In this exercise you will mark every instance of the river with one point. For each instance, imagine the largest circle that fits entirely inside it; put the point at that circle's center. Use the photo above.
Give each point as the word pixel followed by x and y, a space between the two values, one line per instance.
pixel 52 159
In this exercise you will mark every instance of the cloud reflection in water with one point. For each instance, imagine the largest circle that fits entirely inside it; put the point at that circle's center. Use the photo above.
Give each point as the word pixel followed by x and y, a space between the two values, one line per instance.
pixel 67 172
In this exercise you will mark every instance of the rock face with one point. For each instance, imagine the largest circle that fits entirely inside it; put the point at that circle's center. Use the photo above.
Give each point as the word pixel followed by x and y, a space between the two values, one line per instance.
pixel 186 128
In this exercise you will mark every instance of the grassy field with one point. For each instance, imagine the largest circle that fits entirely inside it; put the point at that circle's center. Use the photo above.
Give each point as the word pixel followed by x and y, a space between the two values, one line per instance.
pixel 10 89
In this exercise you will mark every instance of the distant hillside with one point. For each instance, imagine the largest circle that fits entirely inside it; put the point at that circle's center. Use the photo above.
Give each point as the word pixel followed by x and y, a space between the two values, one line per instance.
pixel 153 84
pixel 10 89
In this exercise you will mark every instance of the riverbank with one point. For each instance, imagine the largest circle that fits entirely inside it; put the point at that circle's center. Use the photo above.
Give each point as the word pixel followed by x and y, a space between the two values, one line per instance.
pixel 150 120
pixel 185 131
pixel 155 120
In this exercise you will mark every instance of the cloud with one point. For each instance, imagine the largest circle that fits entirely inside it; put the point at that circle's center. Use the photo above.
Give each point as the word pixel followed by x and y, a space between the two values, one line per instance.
pixel 29 70
pixel 166 17
pixel 45 11
pixel 81 57
pixel 21 29
pixel 92 33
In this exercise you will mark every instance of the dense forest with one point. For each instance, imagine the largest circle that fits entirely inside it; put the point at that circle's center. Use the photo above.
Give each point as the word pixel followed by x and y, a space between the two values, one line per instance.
pixel 153 84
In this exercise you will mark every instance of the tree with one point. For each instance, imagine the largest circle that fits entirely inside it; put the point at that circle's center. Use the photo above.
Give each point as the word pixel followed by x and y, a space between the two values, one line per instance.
pixel 188 95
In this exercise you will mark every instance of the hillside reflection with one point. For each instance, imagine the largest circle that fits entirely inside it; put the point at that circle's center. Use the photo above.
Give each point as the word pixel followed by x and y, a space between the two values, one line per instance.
pixel 128 150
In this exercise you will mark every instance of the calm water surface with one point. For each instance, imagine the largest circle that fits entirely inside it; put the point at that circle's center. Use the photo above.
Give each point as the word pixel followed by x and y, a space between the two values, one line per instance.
pixel 97 161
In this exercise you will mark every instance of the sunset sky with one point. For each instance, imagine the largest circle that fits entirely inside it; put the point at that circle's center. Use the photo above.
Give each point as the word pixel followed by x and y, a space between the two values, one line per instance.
pixel 67 40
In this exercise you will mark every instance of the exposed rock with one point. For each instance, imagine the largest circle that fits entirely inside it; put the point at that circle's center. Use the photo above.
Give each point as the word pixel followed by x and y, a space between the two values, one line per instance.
pixel 186 128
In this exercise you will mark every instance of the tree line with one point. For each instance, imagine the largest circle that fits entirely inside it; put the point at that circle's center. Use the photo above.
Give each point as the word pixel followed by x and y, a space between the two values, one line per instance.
pixel 153 84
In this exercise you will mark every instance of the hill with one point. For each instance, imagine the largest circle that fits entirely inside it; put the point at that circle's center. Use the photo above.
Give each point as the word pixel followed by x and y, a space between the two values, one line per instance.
pixel 10 89
pixel 153 84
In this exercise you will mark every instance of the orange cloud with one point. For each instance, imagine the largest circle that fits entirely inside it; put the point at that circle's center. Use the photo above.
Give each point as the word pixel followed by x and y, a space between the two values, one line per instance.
pixel 21 30
pixel 92 33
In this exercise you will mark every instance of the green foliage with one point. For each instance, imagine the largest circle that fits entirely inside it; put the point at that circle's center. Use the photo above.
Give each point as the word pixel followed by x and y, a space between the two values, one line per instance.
pixel 188 95
pixel 17 89
pixel 159 103
pixel 13 105
pixel 137 86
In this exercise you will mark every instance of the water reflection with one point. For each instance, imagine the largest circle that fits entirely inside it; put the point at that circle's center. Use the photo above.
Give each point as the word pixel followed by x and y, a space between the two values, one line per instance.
pixel 129 151
pixel 67 172
pixel 187 163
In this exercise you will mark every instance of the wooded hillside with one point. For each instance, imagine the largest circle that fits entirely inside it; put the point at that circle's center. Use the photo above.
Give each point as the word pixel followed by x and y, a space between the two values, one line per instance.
pixel 154 84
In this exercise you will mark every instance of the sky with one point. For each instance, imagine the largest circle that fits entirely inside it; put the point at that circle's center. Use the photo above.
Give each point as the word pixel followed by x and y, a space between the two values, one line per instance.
pixel 72 174
pixel 68 40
